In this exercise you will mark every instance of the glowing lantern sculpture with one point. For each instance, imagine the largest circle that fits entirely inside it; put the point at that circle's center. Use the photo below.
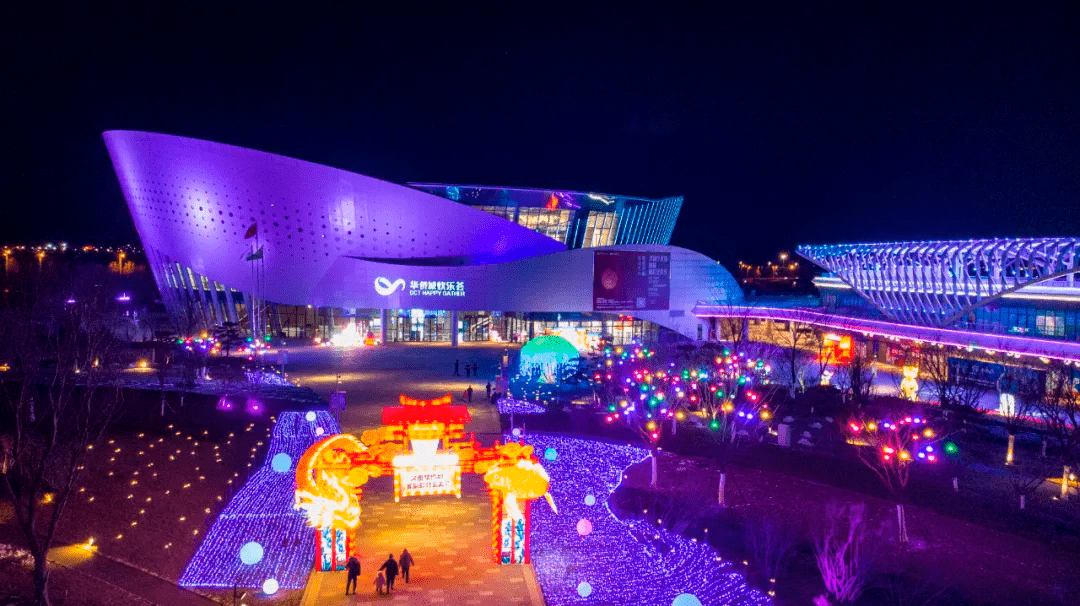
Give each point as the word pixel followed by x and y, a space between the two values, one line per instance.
pixel 330 476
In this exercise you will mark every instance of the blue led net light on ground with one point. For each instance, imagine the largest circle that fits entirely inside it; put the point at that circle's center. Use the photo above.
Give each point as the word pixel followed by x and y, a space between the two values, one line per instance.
pixel 621 562
pixel 262 512
pixel 509 405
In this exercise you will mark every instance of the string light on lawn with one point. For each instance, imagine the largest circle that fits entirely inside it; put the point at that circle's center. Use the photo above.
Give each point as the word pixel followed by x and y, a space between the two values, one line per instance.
pixel 647 573
pixel 262 511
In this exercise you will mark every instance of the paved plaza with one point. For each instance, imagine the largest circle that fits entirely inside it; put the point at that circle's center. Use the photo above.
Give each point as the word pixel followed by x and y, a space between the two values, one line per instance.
pixel 373 377
pixel 449 538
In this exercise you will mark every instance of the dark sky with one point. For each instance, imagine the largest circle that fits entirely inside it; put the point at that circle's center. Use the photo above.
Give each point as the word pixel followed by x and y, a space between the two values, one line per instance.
pixel 823 122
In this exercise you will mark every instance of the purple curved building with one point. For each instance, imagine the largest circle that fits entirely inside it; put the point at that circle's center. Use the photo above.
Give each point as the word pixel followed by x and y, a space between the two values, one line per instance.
pixel 288 247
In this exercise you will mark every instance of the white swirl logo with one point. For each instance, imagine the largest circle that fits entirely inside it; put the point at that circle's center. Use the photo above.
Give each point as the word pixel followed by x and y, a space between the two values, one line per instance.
pixel 385 287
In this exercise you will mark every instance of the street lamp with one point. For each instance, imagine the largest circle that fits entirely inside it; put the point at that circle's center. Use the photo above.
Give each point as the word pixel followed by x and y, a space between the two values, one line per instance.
pixel 120 258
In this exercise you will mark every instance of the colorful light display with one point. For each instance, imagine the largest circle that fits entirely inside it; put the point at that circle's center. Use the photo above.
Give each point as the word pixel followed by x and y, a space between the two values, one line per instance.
pixel 262 513
pixel 616 561
pixel 544 355
pixel 331 474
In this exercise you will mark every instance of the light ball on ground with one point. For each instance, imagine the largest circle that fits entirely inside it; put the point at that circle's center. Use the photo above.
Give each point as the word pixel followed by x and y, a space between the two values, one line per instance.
pixel 251 553
pixel 319 431
pixel 584 589
pixel 281 462
pixel 590 500
pixel 517 432
pixel 551 454
pixel 584 527
pixel 270 586
pixel 310 416
pixel 686 599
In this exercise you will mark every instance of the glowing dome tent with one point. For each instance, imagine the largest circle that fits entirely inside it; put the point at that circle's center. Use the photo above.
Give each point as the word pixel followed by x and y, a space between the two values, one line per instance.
pixel 544 355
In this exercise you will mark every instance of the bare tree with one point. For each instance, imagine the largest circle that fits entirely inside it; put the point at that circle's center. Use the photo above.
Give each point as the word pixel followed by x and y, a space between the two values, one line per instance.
pixel 1026 478
pixel 1020 390
pixel 1058 404
pixel 768 543
pixel 957 384
pixel 59 396
pixel 797 340
pixel 843 553
pixel 857 379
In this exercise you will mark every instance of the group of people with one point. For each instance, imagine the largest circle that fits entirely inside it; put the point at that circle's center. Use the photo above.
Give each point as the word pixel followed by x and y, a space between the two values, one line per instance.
pixel 473 368
pixel 384 583
pixel 492 396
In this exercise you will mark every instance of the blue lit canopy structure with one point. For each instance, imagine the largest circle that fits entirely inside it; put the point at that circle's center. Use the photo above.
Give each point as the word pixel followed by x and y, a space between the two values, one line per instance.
pixel 935 283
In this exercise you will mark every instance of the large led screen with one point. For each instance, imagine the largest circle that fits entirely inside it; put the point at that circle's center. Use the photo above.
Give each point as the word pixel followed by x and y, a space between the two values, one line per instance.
pixel 631 280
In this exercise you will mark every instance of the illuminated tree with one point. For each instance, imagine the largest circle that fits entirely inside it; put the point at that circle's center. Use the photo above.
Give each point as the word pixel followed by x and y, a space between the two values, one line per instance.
pixel 59 396
pixel 640 391
pixel 891 442
pixel 634 390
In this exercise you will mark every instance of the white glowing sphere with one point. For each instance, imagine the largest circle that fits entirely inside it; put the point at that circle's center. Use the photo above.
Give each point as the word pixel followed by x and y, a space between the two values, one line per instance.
pixel 310 416
pixel 281 462
pixel 251 553
pixel 584 527
pixel 590 500
pixel 584 589
pixel 517 432
pixel 319 431
pixel 270 586
pixel 686 599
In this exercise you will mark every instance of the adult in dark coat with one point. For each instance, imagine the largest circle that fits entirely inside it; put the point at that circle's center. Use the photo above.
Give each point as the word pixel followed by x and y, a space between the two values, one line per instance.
pixel 354 571
pixel 391 568
pixel 406 563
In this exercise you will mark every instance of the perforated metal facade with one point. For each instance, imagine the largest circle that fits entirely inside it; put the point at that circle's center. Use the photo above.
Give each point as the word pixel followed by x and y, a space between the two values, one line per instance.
pixel 227 231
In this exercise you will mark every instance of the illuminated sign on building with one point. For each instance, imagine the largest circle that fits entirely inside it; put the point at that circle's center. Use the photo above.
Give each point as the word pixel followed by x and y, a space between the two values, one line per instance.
pixel 422 288
pixel 437 288
pixel 625 280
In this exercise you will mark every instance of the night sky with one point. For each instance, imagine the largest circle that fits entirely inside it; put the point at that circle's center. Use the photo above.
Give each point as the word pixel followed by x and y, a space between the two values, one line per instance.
pixel 822 123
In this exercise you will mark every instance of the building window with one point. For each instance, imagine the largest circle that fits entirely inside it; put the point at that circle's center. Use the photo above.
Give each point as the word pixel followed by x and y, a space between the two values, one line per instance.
pixel 1050 324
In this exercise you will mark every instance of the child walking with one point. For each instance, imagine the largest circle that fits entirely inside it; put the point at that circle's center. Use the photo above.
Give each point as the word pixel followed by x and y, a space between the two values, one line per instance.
pixel 380 582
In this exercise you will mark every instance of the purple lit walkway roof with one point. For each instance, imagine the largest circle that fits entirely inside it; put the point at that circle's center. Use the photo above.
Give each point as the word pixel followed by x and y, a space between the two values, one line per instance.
pixel 998 343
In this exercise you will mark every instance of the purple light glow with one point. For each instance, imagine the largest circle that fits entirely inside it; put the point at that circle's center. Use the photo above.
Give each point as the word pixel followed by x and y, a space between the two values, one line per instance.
pixel 262 512
pixel 1003 343
pixel 123 298
pixel 651 572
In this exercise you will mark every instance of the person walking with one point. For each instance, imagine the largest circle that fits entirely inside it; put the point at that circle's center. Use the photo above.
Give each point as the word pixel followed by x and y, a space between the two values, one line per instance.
pixel 354 571
pixel 488 387
pixel 380 582
pixel 467 367
pixel 406 562
pixel 475 369
pixel 468 394
pixel 457 366
pixel 391 568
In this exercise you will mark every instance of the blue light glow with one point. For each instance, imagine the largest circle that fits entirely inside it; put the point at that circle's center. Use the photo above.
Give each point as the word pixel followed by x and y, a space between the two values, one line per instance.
pixel 262 512
pixel 651 572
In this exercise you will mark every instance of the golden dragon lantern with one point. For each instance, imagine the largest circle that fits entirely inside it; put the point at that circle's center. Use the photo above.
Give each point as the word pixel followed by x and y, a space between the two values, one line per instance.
pixel 423 445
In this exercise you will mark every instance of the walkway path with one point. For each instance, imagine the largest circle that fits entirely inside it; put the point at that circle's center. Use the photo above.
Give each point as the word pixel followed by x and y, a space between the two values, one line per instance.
pixel 147 586
pixel 450 541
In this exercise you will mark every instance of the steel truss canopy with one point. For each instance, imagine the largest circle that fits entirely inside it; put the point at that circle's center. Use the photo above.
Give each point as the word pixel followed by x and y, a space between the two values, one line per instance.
pixel 936 283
